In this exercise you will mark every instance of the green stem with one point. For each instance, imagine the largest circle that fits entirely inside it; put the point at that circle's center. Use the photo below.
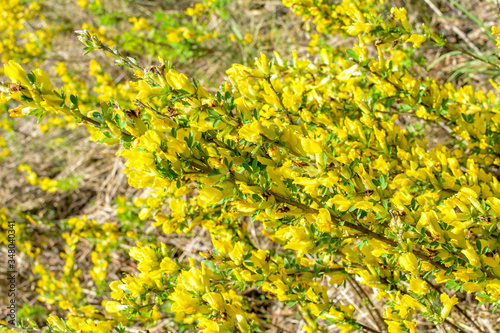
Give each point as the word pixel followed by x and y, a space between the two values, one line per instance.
pixel 472 55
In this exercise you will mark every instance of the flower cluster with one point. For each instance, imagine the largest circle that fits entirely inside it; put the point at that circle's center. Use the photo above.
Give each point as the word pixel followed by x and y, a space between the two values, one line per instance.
pixel 48 184
pixel 311 150
pixel 19 43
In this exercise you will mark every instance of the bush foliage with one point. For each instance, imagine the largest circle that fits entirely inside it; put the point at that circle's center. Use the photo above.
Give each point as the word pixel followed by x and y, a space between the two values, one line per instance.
pixel 308 150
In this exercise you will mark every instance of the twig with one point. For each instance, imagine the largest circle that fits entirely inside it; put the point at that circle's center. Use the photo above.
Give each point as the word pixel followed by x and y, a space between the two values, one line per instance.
pixel 20 329
pixel 456 327
pixel 142 105
pixel 472 55
pixel 283 109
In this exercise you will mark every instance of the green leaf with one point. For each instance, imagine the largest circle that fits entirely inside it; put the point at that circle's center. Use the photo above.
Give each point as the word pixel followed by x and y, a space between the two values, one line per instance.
pixel 383 182
pixel 31 77
pixel 247 167
pixel 405 107
pixel 212 112
pixel 352 54
pixel 254 165
pixel 74 99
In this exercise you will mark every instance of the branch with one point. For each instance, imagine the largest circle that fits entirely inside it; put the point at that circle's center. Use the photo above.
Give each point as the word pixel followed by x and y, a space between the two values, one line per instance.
pixel 283 109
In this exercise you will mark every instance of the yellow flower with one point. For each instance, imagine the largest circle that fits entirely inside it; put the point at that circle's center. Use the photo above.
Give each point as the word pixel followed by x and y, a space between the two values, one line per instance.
pixel 173 37
pixel 146 91
pixel 244 71
pixel 359 27
pixel 418 286
pixel 43 80
pixel 448 304
pixel 56 321
pixel 83 3
pixel 340 202
pixel 346 75
pixel 140 24
pixel 250 132
pixel 409 262
pixel 16 73
pixel 247 39
pixel 417 40
pixel 179 81
pixel 184 301
pixel 472 255
pixel 169 266
pixel 136 159
pixel 395 327
pixel 19 111
pixel 400 14
pixel 113 307
pixel 215 300
pixel 263 64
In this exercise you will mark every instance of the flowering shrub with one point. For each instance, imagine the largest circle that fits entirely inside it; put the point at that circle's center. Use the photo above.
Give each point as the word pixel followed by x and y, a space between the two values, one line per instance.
pixel 19 43
pixel 46 183
pixel 309 148
pixel 183 35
